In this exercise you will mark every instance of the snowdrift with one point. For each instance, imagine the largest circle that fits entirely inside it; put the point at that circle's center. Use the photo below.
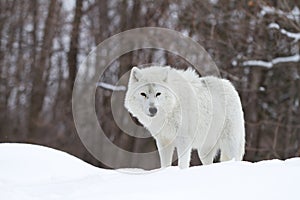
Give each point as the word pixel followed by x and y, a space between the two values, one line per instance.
pixel 35 172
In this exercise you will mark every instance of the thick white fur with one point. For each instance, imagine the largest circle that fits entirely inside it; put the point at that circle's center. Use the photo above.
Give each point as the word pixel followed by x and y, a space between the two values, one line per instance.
pixel 192 113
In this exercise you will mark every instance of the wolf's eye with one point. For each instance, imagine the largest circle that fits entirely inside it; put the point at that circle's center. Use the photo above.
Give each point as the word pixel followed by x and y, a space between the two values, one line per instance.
pixel 143 94
pixel 158 94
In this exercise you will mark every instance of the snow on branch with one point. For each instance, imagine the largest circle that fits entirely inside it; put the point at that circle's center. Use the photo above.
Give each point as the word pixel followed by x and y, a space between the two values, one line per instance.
pixel 292 15
pixel 111 87
pixel 295 36
pixel 270 64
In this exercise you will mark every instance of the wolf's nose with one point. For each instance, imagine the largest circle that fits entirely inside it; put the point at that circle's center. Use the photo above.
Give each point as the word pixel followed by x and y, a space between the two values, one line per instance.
pixel 153 110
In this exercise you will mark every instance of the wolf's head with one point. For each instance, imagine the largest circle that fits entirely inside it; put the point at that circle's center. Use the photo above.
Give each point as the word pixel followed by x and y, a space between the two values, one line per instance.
pixel 148 94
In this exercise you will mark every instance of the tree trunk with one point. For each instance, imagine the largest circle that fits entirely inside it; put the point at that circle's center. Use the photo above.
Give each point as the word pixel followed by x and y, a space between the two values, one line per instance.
pixel 74 44
pixel 39 84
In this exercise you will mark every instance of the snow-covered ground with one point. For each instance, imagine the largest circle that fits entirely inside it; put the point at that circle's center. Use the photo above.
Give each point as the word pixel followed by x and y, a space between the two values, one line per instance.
pixel 35 172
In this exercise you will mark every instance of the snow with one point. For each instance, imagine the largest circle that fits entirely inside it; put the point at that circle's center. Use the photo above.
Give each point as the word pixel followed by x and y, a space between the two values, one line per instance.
pixel 213 2
pixel 294 58
pixel 293 14
pixel 111 87
pixel 234 63
pixel 274 25
pixel 295 36
pixel 262 89
pixel 260 63
pixel 36 172
pixel 270 64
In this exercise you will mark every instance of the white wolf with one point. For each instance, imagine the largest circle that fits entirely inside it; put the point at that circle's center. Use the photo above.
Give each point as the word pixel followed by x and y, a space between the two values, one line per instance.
pixel 183 111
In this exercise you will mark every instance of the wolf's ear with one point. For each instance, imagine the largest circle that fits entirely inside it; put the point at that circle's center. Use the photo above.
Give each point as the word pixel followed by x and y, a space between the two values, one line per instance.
pixel 136 74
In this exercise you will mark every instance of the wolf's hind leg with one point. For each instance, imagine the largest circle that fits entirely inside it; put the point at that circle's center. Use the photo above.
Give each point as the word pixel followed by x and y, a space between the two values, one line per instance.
pixel 208 157
pixel 231 150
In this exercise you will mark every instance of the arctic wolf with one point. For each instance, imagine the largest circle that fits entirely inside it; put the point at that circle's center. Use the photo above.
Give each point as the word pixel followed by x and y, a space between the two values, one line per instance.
pixel 184 111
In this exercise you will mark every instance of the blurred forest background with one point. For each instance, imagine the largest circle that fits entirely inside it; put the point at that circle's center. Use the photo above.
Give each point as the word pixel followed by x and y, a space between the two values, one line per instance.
pixel 42 43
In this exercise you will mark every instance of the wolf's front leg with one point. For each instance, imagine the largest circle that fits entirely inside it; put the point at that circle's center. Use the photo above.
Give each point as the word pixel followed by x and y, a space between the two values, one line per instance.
pixel 184 156
pixel 165 154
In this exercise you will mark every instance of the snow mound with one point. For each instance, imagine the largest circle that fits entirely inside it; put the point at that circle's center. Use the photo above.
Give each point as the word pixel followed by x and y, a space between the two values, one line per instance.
pixel 36 172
